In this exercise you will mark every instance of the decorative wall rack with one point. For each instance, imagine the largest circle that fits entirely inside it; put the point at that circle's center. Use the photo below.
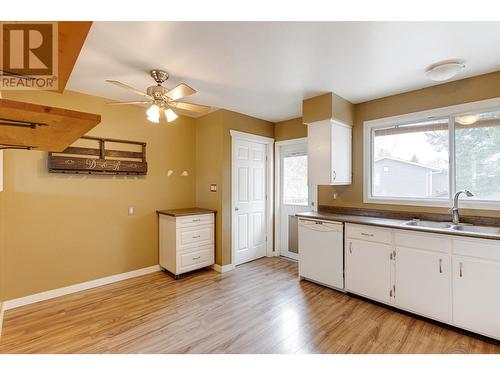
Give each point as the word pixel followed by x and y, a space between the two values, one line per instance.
pixel 101 160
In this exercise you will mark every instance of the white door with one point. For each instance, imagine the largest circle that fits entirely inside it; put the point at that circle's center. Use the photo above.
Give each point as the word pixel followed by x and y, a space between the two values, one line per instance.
pixel 249 200
pixel 293 195
pixel 476 291
pixel 423 283
pixel 368 269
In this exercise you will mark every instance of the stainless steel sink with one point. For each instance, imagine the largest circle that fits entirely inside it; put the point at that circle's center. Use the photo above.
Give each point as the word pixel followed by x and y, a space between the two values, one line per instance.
pixel 477 229
pixel 428 224
pixel 450 227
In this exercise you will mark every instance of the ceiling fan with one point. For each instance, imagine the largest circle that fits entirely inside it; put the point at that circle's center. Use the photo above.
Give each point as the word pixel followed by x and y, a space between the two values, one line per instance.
pixel 162 100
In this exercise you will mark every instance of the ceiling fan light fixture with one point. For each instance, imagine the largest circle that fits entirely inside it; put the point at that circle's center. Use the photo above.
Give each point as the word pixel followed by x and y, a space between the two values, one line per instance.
pixel 444 71
pixel 467 119
pixel 170 115
pixel 153 113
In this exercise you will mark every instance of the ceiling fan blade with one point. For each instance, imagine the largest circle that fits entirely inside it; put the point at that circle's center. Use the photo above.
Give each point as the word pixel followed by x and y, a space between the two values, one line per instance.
pixel 198 108
pixel 180 91
pixel 122 103
pixel 127 87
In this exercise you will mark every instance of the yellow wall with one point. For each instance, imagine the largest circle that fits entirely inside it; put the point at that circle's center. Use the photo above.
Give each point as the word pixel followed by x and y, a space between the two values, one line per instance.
pixel 65 229
pixel 327 106
pixel 289 129
pixel 1 250
pixel 467 90
pixel 209 170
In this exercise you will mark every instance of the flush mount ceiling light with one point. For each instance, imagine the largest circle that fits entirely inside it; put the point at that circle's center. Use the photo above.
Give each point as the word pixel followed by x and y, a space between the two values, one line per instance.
pixel 444 71
pixel 467 119
pixel 162 101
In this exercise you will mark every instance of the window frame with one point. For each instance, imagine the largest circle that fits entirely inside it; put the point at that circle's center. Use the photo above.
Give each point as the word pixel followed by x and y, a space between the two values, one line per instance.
pixel 450 112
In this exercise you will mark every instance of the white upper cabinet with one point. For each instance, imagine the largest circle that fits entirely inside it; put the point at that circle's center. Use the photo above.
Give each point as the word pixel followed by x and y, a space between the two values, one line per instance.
pixel 329 145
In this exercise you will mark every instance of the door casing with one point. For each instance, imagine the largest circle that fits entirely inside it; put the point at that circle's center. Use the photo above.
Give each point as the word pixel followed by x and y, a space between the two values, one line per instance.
pixel 277 192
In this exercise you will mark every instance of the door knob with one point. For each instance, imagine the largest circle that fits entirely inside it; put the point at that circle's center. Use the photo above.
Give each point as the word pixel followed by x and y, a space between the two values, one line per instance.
pixel 236 209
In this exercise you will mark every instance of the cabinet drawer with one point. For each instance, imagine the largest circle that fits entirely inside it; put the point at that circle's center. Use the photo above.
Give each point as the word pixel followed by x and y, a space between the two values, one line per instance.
pixel 194 220
pixel 424 241
pixel 368 233
pixel 199 257
pixel 195 236
pixel 477 248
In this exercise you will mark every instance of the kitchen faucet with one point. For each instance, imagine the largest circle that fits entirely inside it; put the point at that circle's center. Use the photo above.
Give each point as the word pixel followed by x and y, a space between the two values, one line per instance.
pixel 455 217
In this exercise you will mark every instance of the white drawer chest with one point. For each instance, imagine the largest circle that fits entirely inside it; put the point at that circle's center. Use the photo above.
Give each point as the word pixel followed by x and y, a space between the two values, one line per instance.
pixel 186 239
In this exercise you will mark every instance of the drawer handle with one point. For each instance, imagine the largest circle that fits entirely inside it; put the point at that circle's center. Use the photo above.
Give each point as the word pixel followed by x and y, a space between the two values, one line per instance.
pixel 197 257
pixel 461 271
pixel 198 236
pixel 367 234
pixel 440 266
pixel 194 220
pixel 350 247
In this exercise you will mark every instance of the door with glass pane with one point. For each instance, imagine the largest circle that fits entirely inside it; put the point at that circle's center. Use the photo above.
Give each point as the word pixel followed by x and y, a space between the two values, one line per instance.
pixel 294 194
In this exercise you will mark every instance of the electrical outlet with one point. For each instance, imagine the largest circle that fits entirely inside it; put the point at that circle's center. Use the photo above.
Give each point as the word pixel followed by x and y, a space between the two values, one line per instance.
pixel 213 188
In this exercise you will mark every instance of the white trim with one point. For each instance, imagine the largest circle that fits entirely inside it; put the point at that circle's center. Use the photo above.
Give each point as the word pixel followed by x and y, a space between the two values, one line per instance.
pixel 450 111
pixel 269 188
pixel 224 268
pixel 18 302
pixel 251 137
pixel 277 191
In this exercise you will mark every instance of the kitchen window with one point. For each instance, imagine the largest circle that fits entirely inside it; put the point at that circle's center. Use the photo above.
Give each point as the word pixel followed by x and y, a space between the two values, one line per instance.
pixel 424 158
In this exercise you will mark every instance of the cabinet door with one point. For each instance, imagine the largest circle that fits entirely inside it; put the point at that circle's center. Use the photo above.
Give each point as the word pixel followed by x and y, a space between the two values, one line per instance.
pixel 319 150
pixel 423 282
pixel 368 269
pixel 476 295
pixel 341 173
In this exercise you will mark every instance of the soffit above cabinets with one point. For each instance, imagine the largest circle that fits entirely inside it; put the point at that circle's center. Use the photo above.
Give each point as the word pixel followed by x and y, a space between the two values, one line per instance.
pixel 33 126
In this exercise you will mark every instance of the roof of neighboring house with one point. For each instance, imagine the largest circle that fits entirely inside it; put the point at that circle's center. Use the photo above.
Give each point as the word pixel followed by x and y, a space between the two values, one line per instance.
pixel 410 163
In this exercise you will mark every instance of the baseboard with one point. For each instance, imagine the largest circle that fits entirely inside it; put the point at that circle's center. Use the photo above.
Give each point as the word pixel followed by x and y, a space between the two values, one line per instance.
pixel 18 302
pixel 2 308
pixel 222 269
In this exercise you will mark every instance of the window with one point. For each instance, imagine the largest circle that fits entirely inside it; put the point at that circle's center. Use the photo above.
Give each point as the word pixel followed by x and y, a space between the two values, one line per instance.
pixel 295 191
pixel 477 154
pixel 424 158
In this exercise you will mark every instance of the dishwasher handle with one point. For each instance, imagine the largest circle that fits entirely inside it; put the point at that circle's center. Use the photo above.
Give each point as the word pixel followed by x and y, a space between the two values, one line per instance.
pixel 321 226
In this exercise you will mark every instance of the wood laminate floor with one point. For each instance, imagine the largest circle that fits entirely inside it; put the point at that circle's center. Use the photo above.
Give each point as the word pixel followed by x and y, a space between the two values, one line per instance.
pixel 261 307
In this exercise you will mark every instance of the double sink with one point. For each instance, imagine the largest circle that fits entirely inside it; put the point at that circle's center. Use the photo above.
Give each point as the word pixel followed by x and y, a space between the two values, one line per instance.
pixel 450 227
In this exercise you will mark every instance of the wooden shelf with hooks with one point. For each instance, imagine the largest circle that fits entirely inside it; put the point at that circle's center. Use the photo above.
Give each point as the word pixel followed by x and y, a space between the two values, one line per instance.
pixel 39 127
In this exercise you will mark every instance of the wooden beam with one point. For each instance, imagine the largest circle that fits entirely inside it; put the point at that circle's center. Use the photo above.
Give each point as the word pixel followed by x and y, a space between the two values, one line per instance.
pixel 72 36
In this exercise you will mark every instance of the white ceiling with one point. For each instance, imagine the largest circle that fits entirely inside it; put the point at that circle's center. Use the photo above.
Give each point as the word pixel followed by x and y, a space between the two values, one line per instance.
pixel 265 69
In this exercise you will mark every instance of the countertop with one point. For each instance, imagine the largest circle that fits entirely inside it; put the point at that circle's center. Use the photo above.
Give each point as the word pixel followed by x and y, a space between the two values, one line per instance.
pixel 388 223
pixel 186 211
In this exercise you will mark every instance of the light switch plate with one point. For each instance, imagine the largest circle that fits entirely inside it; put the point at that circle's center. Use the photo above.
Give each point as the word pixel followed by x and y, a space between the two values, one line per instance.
pixel 130 211
pixel 213 188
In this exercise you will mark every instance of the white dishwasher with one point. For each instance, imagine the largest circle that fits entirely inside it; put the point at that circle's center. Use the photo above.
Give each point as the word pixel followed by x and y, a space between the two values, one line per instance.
pixel 321 252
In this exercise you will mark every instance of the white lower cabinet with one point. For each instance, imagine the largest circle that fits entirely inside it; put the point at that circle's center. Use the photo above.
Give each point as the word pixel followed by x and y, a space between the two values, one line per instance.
pixel 368 269
pixel 451 279
pixel 423 282
pixel 476 295
pixel 186 242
